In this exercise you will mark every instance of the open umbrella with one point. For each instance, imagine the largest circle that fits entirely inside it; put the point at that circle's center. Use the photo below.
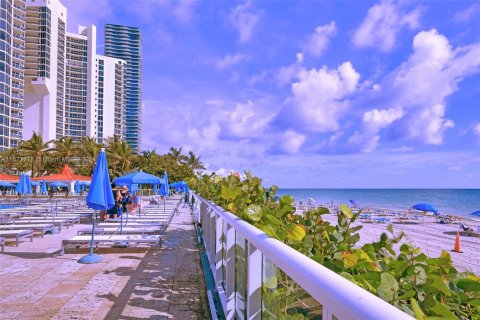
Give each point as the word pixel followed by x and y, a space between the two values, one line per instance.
pixel 133 188
pixel 424 207
pixel 476 213
pixel 59 184
pixel 99 197
pixel 6 184
pixel 139 177
pixel 354 202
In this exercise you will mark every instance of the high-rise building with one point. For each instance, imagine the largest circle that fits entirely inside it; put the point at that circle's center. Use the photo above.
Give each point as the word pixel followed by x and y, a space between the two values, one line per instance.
pixel 111 97
pixel 80 111
pixel 12 47
pixel 44 68
pixel 125 43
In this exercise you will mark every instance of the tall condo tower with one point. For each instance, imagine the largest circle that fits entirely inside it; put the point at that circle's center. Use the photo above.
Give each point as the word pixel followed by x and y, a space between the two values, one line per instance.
pixel 125 43
pixel 80 112
pixel 12 50
pixel 111 97
pixel 44 69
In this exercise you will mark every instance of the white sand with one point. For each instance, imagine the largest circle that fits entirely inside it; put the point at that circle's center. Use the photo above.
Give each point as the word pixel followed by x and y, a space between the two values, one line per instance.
pixel 431 237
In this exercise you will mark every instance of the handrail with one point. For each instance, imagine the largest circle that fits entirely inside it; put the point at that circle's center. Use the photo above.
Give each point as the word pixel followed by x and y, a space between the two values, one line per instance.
pixel 343 298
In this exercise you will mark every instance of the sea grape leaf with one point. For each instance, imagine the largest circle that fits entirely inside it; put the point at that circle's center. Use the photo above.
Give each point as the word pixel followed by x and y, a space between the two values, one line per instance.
pixel 286 200
pixel 254 212
pixel 437 282
pixel 296 232
pixel 350 259
pixel 468 285
pixel 347 213
pixel 417 310
pixel 388 287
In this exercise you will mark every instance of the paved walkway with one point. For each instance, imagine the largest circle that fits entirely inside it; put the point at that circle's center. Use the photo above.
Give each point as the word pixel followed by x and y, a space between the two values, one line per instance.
pixel 37 283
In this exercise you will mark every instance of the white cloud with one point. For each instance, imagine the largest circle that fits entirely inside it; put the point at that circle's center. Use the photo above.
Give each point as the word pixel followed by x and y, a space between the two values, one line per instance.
pixel 373 121
pixel 291 141
pixel 230 60
pixel 244 19
pixel 382 25
pixel 318 97
pixel 247 120
pixel 320 39
pixel 477 132
pixel 184 10
pixel 466 15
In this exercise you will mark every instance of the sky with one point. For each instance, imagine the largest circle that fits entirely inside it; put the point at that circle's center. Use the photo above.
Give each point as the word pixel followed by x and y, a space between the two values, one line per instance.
pixel 310 94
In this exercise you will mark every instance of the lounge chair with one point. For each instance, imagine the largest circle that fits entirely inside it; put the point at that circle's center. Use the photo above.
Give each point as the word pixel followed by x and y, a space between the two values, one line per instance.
pixel 78 241
pixel 17 235
pixel 467 229
pixel 380 220
pixel 125 230
pixel 40 229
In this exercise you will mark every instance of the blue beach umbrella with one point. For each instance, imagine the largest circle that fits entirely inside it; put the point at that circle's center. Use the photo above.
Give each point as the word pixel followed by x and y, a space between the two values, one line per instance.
pixel 138 178
pixel 6 184
pixel 164 189
pixel 59 184
pixel 43 187
pixel 22 187
pixel 155 188
pixel 354 202
pixel 133 187
pixel 424 207
pixel 29 184
pixel 476 213
pixel 99 197
pixel 77 187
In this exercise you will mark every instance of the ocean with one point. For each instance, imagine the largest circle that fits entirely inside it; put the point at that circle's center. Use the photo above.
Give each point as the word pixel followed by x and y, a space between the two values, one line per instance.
pixel 459 202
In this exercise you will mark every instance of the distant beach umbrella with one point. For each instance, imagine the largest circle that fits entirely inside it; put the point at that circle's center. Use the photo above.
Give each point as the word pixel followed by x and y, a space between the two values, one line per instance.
pixel 354 202
pixel 77 187
pixel 476 213
pixel 59 184
pixel 22 187
pixel 138 178
pixel 29 184
pixel 424 207
pixel 164 187
pixel 6 184
pixel 155 188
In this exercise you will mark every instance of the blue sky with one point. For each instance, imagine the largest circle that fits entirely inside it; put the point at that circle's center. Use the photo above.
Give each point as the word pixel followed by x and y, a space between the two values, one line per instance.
pixel 325 94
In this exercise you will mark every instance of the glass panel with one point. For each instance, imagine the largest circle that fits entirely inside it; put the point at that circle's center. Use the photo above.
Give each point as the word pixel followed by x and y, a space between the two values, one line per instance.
pixel 282 296
pixel 240 277
pixel 223 241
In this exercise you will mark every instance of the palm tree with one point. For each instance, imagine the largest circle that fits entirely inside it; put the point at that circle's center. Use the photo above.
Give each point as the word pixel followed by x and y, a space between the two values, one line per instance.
pixel 120 155
pixel 66 148
pixel 88 151
pixel 194 162
pixel 37 150
pixel 177 155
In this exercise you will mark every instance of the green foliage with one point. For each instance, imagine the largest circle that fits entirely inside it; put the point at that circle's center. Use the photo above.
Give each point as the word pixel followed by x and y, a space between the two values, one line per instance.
pixel 426 288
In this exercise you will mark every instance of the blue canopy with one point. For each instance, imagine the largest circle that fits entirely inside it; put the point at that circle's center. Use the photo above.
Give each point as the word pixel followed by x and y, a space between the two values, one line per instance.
pixel 476 213
pixel 43 187
pixel 181 186
pixel 134 188
pixel 164 188
pixel 59 184
pixel 100 196
pixel 424 207
pixel 35 183
pixel 138 178
pixel 22 187
pixel 6 184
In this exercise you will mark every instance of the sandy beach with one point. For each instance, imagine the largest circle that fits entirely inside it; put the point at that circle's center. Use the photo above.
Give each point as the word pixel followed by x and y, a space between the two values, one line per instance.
pixel 430 236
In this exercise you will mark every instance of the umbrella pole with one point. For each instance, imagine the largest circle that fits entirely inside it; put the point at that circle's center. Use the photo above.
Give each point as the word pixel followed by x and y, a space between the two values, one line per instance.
pixel 91 258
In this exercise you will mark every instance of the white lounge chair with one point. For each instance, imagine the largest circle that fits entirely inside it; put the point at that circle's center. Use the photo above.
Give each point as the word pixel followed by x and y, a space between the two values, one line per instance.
pixel 37 228
pixel 17 235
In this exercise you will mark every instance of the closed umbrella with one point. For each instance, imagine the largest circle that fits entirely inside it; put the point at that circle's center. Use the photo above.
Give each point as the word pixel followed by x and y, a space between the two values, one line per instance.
pixel 99 197
pixel 43 187
pixel 22 187
pixel 164 189
pixel 155 188
pixel 29 184
pixel 77 187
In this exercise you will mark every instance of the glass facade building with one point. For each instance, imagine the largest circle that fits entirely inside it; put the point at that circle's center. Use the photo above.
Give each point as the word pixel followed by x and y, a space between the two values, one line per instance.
pixel 125 43
pixel 12 57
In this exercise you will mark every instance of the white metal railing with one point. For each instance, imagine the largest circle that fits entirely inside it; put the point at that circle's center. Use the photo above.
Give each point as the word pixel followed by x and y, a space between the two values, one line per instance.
pixel 241 258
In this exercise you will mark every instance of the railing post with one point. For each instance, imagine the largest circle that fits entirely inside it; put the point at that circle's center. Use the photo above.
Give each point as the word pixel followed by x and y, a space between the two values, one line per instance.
pixel 218 274
pixel 230 273
pixel 254 283
pixel 212 238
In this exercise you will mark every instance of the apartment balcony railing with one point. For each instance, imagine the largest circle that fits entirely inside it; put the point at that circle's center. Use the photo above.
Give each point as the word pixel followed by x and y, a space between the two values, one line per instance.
pixel 17 96
pixel 243 259
pixel 19 7
pixel 19 17
pixel 18 36
pixel 16 126
pixel 18 46
pixel 16 115
pixel 16 135
pixel 17 65
pixel 19 27
pixel 17 105
pixel 18 56
pixel 17 75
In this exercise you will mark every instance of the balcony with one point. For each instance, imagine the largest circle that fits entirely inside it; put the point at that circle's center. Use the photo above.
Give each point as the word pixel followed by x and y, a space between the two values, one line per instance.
pixel 20 8
pixel 19 27
pixel 18 56
pixel 18 46
pixel 18 65
pixel 19 17
pixel 17 96
pixel 16 115
pixel 17 86
pixel 17 105
pixel 247 264
pixel 17 75
pixel 16 135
